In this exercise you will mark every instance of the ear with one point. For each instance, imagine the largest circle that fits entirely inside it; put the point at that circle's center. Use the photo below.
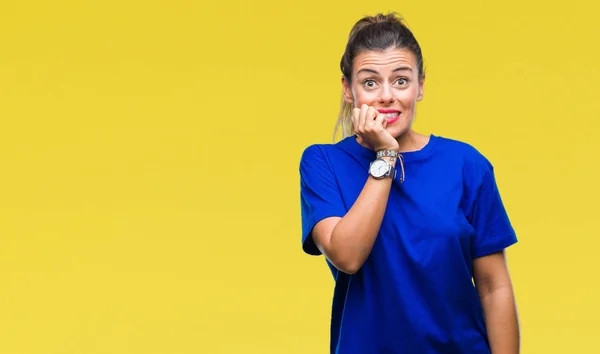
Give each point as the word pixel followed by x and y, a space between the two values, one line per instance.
pixel 421 88
pixel 347 91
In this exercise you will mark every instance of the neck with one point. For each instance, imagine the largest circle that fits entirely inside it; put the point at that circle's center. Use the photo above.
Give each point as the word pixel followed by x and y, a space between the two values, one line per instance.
pixel 411 141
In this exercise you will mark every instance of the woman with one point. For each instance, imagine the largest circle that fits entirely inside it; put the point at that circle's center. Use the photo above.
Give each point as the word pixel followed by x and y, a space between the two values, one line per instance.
pixel 412 226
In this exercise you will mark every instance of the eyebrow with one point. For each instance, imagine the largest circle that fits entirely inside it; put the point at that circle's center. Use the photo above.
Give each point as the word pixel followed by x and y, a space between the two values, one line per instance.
pixel 400 68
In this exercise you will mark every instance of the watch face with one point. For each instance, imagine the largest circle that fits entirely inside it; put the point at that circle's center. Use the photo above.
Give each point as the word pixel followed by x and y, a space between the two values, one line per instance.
pixel 379 168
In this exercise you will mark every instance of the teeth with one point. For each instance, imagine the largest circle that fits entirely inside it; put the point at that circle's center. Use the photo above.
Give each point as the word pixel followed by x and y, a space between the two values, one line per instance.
pixel 392 115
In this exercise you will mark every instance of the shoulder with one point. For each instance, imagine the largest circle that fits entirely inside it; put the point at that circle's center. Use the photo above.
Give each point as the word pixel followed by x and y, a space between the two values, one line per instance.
pixel 312 151
pixel 314 159
pixel 321 152
pixel 313 154
pixel 471 156
pixel 473 165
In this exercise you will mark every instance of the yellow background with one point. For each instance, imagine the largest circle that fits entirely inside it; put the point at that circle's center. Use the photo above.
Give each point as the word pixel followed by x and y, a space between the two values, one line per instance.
pixel 149 195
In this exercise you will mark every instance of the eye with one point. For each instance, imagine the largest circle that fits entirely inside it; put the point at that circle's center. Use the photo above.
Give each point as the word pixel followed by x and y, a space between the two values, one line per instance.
pixel 402 81
pixel 369 83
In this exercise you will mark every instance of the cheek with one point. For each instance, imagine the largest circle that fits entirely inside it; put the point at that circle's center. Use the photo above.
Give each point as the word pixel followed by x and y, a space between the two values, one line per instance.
pixel 361 97
pixel 408 97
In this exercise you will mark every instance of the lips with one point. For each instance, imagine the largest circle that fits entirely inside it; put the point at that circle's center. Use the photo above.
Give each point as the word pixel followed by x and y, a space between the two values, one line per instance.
pixel 391 115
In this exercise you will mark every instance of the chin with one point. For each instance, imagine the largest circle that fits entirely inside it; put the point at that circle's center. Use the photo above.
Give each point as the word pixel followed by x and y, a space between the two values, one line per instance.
pixel 397 132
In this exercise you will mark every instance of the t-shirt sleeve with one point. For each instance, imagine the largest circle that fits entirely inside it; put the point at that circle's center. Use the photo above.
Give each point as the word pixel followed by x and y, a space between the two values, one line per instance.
pixel 493 230
pixel 320 196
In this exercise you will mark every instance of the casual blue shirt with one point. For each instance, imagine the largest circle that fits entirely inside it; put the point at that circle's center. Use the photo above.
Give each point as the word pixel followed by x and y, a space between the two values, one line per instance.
pixel 414 293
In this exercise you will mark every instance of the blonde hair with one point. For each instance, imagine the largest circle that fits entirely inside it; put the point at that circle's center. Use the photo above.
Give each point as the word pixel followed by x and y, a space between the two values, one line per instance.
pixel 377 32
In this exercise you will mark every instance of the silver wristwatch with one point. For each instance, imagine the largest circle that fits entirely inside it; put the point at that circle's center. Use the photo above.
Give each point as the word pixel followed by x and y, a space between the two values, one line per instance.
pixel 381 168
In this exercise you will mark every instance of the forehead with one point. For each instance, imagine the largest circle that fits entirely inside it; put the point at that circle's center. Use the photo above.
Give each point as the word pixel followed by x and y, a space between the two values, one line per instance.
pixel 384 59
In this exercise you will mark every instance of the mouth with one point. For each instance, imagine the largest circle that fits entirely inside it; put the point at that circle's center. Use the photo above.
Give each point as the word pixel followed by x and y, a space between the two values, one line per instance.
pixel 391 115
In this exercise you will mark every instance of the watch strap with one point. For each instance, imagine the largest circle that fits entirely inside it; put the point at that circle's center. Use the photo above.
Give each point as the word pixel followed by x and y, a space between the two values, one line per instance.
pixel 391 172
pixel 387 153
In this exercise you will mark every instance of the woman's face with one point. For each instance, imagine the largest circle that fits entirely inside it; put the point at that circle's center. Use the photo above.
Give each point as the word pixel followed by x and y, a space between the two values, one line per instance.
pixel 389 82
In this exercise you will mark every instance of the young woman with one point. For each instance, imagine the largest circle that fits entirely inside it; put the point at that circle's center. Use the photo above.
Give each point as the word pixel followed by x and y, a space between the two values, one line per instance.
pixel 412 226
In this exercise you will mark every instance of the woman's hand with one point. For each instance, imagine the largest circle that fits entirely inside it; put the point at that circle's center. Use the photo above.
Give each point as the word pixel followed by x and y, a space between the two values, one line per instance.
pixel 370 126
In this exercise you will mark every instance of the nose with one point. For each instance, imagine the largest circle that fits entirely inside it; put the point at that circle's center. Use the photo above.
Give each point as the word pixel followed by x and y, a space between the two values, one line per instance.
pixel 386 94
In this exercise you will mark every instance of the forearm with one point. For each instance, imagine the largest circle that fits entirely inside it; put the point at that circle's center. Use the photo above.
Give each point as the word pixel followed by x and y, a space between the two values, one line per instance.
pixel 501 319
pixel 354 235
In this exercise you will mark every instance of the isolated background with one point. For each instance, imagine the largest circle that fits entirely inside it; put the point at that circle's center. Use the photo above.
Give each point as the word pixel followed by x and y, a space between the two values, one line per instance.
pixel 149 194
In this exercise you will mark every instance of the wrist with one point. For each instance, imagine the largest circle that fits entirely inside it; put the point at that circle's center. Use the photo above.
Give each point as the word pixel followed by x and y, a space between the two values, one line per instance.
pixel 382 167
pixel 388 153
pixel 392 157
pixel 387 148
pixel 390 160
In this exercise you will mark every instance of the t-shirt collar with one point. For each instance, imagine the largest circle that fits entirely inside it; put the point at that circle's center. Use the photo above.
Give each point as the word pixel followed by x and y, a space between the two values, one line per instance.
pixel 351 145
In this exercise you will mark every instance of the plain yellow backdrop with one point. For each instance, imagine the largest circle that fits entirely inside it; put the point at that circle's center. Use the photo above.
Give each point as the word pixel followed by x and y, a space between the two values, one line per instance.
pixel 149 195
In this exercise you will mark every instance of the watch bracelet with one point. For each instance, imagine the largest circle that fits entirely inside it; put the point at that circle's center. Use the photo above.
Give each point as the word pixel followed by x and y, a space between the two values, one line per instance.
pixel 388 153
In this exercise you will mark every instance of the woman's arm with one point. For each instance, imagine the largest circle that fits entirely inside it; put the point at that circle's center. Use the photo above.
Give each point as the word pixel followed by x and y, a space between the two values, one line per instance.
pixel 495 290
pixel 347 241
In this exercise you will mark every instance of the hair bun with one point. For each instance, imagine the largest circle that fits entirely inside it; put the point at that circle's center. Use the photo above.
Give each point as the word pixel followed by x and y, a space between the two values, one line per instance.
pixel 391 17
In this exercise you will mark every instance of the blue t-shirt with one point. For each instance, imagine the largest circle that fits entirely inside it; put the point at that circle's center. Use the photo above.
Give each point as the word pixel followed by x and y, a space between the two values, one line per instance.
pixel 414 293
